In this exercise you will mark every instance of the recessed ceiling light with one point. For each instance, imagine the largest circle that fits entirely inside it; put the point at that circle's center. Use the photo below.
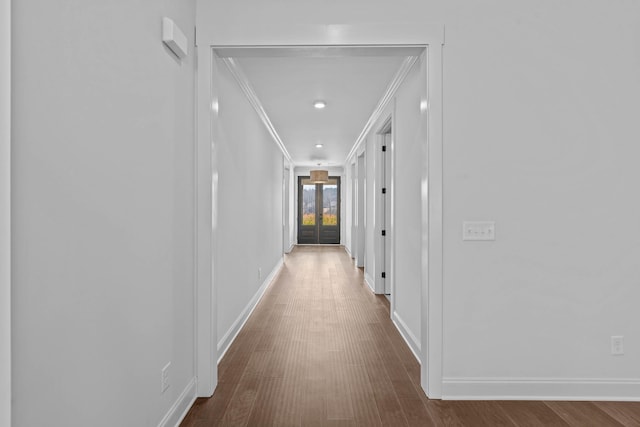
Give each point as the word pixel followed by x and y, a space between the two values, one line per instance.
pixel 319 105
pixel 319 145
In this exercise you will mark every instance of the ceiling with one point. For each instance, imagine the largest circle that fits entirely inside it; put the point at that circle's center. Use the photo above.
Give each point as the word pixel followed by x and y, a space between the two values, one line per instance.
pixel 351 82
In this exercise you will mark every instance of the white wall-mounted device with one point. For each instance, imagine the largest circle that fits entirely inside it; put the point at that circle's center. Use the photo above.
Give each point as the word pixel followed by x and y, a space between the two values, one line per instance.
pixel 479 230
pixel 174 38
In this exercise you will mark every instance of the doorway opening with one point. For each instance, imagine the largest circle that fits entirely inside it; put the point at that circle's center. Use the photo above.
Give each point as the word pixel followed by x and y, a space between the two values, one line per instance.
pixel 384 201
pixel 272 40
pixel 318 211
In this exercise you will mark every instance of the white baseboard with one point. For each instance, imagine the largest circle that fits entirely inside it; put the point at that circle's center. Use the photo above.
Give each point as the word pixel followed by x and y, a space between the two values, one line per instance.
pixel 232 333
pixel 370 282
pixel 348 251
pixel 293 245
pixel 179 410
pixel 408 336
pixel 591 389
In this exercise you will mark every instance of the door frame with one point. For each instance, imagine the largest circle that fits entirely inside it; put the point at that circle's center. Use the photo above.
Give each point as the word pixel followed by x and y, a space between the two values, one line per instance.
pixel 428 37
pixel 361 202
pixel 386 244
pixel 286 190
pixel 318 197
pixel 5 212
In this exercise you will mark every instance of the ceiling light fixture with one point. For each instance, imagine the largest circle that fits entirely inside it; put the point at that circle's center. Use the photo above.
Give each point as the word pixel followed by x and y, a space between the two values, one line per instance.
pixel 319 176
pixel 319 104
pixel 319 145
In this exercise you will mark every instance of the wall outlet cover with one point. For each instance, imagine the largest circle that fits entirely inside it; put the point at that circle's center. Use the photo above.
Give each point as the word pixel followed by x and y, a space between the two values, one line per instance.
pixel 617 345
pixel 479 230
pixel 164 378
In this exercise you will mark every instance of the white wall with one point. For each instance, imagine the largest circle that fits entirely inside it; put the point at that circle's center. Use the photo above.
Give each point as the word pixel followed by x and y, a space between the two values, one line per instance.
pixel 539 139
pixel 249 223
pixel 409 134
pixel 5 213
pixel 103 211
pixel 539 131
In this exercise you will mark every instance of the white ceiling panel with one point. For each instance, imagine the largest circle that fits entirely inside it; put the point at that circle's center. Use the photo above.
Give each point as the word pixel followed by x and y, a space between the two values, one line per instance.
pixel 287 87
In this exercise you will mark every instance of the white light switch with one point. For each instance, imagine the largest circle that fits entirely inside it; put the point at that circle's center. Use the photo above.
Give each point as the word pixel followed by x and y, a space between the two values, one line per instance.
pixel 478 230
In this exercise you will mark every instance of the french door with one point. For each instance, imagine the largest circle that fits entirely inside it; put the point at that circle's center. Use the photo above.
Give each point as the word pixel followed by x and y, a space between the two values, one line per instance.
pixel 318 211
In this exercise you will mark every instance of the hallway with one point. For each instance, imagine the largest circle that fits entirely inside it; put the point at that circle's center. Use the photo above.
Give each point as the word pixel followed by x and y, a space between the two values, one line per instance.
pixel 320 350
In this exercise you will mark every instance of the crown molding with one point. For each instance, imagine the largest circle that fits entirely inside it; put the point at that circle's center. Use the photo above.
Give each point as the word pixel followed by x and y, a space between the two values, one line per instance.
pixel 246 87
pixel 388 95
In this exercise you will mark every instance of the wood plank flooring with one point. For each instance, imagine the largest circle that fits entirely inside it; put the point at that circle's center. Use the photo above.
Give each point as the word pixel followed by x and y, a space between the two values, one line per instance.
pixel 320 350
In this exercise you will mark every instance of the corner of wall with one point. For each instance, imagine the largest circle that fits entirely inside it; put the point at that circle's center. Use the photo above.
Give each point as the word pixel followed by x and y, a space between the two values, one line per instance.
pixel 369 281
pixel 409 337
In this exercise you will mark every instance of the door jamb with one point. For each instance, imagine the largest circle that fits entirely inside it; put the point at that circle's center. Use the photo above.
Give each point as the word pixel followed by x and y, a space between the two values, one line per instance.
pixel 387 127
pixel 5 212
pixel 206 170
pixel 432 39
pixel 361 202
pixel 286 221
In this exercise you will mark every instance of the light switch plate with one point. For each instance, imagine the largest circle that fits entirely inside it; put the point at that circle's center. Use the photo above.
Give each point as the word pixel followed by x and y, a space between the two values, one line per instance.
pixel 479 230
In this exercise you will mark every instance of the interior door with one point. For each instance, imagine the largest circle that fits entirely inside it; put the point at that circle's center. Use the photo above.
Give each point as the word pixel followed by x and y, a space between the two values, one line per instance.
pixel 318 211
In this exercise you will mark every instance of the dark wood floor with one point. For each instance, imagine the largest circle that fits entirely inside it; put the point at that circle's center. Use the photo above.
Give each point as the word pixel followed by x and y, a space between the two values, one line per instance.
pixel 320 350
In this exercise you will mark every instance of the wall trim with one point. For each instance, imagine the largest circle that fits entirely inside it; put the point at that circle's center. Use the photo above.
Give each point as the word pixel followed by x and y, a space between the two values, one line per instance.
pixel 273 34
pixel 432 295
pixel 348 251
pixel 206 214
pixel 370 282
pixel 5 213
pixel 251 95
pixel 506 388
pixel 412 341
pixel 387 97
pixel 230 336
pixel 181 406
pixel 424 34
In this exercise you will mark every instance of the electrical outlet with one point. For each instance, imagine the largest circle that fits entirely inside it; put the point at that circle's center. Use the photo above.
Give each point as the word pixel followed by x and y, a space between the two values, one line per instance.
pixel 617 345
pixel 164 378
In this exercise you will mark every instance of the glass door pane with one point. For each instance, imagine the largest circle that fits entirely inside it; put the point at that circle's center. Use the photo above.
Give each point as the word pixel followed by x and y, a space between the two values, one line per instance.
pixel 330 204
pixel 329 230
pixel 308 204
pixel 308 215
